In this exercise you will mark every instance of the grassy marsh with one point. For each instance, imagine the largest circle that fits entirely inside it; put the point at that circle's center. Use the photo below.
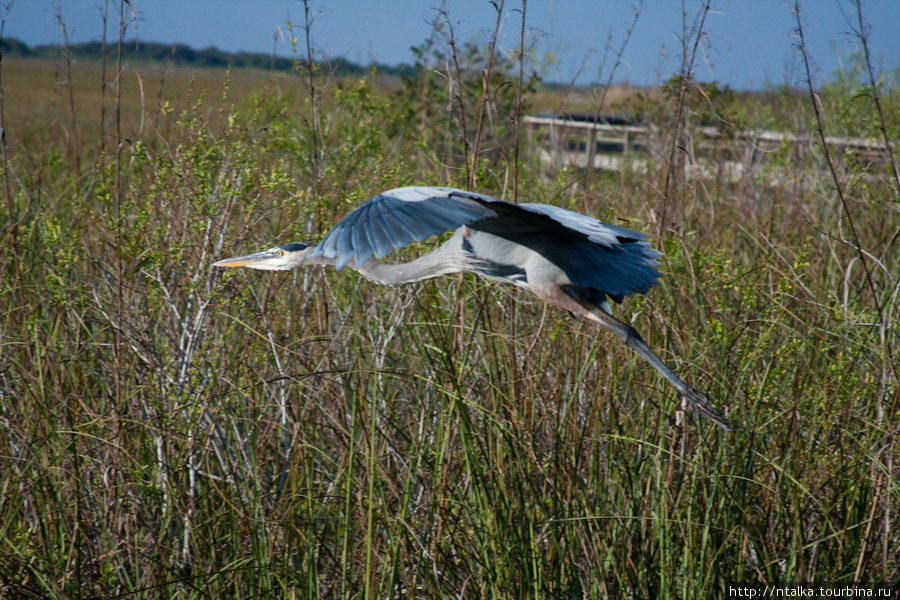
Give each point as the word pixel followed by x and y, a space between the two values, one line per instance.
pixel 168 431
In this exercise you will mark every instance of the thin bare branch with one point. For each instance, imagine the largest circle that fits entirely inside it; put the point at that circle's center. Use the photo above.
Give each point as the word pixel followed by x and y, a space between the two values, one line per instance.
pixel 862 33
pixel 599 106
pixel 839 189
pixel 485 87
pixel 687 74
pixel 520 56
pixel 456 92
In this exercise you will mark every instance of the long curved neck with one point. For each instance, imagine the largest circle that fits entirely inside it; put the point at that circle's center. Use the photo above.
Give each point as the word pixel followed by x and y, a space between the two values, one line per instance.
pixel 445 260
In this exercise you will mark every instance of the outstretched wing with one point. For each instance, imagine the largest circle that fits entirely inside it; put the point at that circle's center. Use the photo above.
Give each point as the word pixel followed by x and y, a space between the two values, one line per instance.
pixel 397 217
pixel 612 259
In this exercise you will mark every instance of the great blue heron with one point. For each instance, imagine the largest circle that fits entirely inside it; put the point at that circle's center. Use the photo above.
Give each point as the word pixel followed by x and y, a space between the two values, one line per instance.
pixel 564 258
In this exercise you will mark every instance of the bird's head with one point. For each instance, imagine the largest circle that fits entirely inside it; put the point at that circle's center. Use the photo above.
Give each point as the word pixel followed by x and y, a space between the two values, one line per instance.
pixel 279 258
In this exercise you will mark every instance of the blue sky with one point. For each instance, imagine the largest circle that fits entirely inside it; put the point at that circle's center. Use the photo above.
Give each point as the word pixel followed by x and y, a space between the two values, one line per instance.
pixel 750 43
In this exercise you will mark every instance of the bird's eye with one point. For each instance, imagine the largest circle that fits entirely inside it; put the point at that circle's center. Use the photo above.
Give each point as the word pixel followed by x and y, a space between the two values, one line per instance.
pixel 280 252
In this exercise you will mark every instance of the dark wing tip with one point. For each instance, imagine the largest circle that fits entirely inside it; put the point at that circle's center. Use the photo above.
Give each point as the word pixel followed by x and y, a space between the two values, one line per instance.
pixel 627 240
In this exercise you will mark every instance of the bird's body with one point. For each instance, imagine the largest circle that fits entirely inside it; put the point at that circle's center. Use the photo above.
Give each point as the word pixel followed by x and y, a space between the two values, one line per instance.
pixel 565 258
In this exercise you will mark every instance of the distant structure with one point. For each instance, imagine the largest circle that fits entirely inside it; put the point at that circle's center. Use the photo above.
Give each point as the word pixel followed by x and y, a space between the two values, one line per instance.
pixel 580 139
pixel 616 141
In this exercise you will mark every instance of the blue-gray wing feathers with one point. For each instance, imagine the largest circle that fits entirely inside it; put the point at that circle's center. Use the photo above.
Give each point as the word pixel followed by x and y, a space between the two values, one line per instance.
pixel 398 217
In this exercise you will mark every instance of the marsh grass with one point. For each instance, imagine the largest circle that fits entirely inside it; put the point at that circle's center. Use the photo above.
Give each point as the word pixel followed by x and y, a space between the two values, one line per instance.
pixel 311 435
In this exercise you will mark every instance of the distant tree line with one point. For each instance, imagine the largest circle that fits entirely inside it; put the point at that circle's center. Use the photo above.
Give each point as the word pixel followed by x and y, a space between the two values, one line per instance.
pixel 182 54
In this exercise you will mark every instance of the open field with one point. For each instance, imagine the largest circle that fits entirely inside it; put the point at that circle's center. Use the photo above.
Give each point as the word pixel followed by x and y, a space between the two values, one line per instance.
pixel 171 431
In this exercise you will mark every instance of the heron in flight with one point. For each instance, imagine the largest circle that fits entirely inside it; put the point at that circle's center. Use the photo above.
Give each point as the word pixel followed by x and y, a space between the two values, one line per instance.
pixel 564 258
